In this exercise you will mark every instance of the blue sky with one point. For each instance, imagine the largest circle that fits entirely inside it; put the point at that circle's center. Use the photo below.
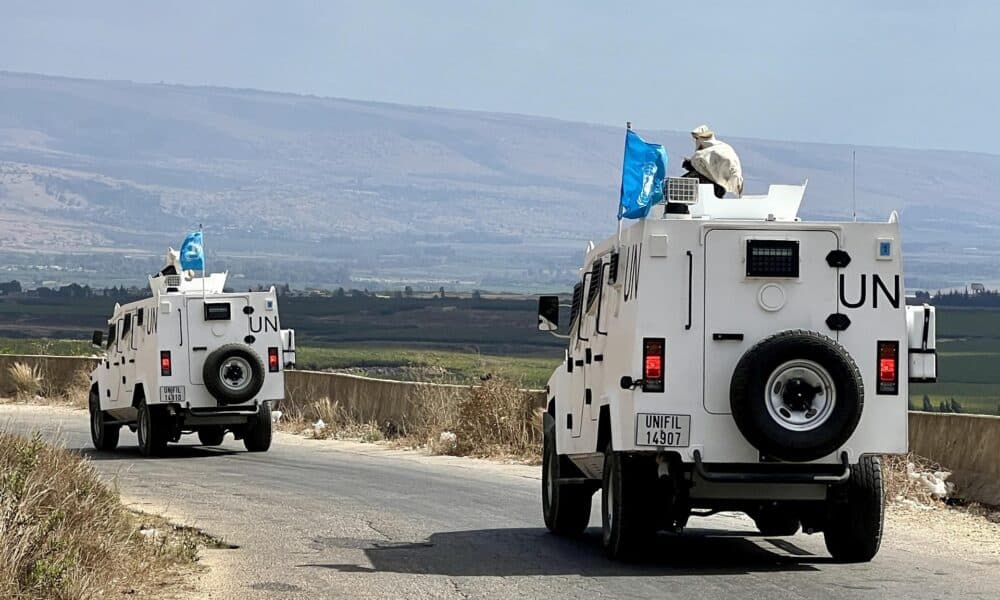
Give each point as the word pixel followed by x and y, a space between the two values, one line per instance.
pixel 910 73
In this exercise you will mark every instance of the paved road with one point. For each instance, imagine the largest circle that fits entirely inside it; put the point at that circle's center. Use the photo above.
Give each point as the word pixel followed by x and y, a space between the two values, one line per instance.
pixel 342 520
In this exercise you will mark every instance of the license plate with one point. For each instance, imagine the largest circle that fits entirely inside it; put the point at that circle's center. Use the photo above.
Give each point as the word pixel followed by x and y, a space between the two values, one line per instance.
pixel 173 394
pixel 668 431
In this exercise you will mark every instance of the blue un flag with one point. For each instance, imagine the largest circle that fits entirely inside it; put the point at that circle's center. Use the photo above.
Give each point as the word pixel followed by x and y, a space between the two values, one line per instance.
pixel 643 172
pixel 193 252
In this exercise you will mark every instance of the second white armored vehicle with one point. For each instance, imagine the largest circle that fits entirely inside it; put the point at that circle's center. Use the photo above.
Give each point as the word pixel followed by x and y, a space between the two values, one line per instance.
pixel 724 355
pixel 190 358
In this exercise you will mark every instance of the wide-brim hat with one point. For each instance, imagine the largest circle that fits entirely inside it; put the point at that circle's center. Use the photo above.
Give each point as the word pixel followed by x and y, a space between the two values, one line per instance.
pixel 702 132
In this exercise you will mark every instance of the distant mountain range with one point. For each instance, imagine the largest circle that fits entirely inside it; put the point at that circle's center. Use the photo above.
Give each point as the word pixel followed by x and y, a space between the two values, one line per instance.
pixel 97 177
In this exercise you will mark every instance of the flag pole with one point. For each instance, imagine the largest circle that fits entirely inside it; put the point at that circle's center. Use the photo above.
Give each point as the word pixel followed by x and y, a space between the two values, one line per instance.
pixel 628 127
pixel 204 262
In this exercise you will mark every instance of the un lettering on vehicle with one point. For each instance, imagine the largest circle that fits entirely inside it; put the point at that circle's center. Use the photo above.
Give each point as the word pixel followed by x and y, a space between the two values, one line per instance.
pixel 263 324
pixel 879 288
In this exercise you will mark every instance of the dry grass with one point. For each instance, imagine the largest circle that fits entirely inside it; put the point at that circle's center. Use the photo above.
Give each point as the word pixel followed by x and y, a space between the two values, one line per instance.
pixel 300 417
pixel 32 383
pixel 495 419
pixel 65 535
pixel 76 394
pixel 901 489
pixel 899 484
pixel 27 380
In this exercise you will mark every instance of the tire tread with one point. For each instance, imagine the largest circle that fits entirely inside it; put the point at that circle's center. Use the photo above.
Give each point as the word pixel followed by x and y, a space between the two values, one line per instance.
pixel 854 529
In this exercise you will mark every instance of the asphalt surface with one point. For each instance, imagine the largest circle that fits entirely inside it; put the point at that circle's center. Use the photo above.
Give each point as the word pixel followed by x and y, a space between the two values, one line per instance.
pixel 318 519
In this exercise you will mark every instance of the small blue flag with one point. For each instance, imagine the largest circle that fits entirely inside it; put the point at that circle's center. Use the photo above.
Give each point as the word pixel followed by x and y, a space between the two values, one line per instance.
pixel 643 172
pixel 193 252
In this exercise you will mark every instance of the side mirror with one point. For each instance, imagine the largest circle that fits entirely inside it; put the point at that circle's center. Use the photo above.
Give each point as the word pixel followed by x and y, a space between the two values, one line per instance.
pixel 548 313
pixel 98 339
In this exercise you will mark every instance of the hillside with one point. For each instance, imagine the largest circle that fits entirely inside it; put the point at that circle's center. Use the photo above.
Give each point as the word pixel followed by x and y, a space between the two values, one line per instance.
pixel 99 176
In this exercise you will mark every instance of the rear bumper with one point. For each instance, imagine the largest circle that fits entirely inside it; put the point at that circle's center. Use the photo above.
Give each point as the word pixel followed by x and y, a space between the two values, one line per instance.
pixel 221 415
pixel 773 473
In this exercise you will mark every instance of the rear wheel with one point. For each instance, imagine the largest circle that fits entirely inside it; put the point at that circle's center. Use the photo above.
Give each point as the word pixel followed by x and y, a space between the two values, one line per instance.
pixel 104 436
pixel 566 507
pixel 853 532
pixel 152 431
pixel 211 436
pixel 628 522
pixel 258 433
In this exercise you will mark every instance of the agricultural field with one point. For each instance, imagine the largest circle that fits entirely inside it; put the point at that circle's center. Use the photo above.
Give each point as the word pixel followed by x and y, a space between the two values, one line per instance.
pixel 46 346
pixel 968 362
pixel 430 364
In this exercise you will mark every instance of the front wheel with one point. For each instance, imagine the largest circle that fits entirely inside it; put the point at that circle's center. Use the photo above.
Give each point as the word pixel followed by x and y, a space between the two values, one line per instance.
pixel 104 436
pixel 853 532
pixel 258 432
pixel 628 521
pixel 152 430
pixel 565 507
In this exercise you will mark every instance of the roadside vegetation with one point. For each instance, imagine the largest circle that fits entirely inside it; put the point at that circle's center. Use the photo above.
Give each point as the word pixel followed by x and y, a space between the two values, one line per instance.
pixel 46 346
pixel 65 534
pixel 494 419
pixel 31 382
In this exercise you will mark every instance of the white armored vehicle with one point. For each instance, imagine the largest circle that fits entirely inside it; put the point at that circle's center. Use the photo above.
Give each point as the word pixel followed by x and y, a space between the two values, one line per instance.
pixel 724 355
pixel 191 358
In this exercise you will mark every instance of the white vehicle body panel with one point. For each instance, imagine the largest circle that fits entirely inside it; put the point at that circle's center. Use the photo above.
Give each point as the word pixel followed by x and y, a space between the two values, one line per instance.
pixel 684 280
pixel 174 320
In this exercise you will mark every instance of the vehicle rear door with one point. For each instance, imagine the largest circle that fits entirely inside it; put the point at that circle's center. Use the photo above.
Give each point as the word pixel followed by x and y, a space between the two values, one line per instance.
pixel 211 323
pixel 758 283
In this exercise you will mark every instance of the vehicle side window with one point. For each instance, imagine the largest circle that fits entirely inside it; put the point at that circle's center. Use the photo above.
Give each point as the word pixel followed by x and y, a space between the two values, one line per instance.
pixel 121 336
pixel 127 327
pixel 112 332
pixel 137 331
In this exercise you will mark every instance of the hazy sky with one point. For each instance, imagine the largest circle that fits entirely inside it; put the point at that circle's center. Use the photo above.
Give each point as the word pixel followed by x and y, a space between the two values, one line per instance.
pixel 894 72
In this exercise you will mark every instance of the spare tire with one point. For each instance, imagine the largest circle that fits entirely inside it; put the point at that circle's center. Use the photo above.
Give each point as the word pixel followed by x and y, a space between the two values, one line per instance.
pixel 797 396
pixel 233 374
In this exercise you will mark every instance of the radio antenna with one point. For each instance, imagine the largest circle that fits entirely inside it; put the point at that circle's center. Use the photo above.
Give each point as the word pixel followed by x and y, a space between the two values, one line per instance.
pixel 854 184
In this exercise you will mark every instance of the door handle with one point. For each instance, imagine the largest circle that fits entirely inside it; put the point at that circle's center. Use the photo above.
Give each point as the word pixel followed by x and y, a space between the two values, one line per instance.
pixel 690 256
pixel 727 337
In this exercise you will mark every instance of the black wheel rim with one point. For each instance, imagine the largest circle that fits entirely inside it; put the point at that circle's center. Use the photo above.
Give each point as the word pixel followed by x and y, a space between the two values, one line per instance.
pixel 607 503
pixel 143 426
pixel 96 423
pixel 547 479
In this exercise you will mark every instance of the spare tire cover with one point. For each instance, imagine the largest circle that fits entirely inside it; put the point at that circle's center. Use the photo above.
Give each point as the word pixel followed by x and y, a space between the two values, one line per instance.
pixel 233 373
pixel 797 396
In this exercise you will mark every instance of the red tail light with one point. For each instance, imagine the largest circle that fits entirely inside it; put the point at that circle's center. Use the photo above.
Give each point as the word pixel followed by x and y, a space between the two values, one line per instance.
pixel 652 364
pixel 654 367
pixel 272 360
pixel 888 367
pixel 165 364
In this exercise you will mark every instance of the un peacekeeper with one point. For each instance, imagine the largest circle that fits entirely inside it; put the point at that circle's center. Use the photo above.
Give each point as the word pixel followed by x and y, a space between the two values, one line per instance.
pixel 715 162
